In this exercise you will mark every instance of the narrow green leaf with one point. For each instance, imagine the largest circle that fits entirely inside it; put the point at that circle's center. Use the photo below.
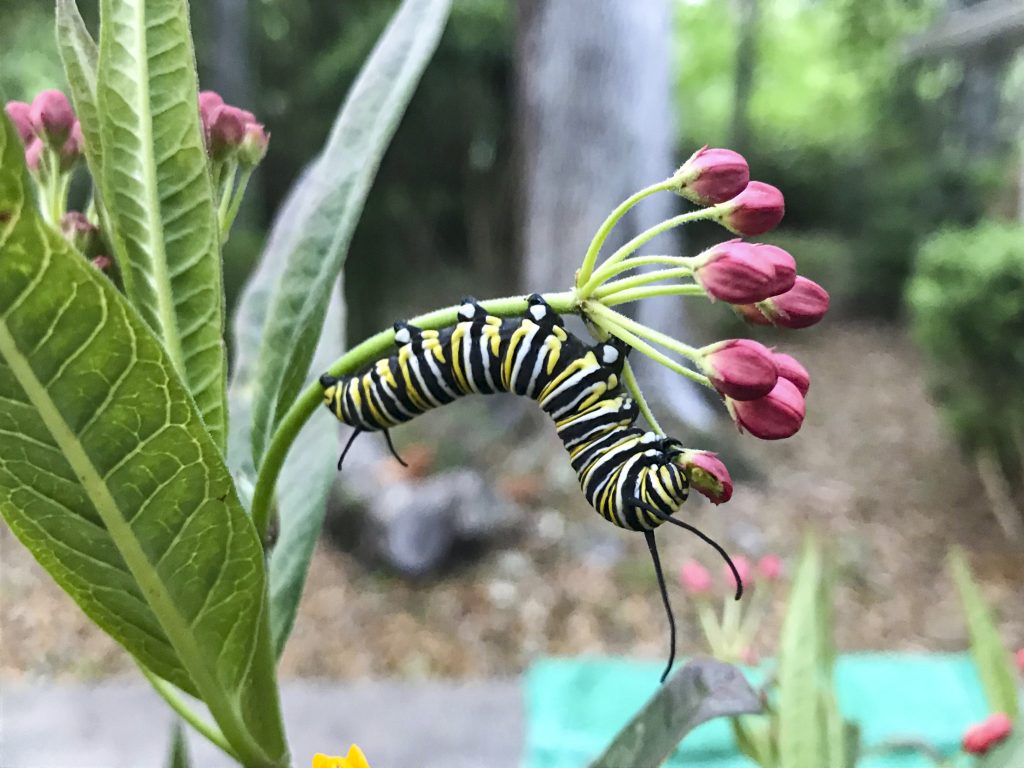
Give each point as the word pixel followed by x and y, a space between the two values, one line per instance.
pixel 702 690
pixel 341 180
pixel 178 757
pixel 801 740
pixel 308 472
pixel 80 55
pixel 109 478
pixel 993 660
pixel 158 191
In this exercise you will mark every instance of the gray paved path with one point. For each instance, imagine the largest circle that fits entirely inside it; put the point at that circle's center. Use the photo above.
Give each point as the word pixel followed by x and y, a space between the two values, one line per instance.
pixel 398 725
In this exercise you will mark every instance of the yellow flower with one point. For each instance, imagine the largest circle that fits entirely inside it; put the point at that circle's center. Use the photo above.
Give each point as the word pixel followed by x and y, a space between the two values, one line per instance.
pixel 354 759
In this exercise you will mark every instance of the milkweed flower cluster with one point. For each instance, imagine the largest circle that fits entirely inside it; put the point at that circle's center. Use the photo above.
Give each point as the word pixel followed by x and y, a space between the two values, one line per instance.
pixel 236 143
pixel 54 146
pixel 763 390
pixel 732 631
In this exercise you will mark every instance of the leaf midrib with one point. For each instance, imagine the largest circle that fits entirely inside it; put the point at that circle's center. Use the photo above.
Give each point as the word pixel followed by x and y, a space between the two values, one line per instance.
pixel 154 231
pixel 174 624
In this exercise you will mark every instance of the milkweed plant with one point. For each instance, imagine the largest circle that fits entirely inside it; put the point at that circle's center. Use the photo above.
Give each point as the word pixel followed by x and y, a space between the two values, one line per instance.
pixel 176 498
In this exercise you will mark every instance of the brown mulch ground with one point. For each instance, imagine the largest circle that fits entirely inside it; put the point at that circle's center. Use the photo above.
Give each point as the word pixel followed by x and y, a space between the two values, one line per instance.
pixel 872 472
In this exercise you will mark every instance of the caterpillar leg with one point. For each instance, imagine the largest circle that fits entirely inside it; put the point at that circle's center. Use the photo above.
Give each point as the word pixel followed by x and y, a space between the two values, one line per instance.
pixel 356 433
pixel 634 502
pixel 391 447
pixel 653 547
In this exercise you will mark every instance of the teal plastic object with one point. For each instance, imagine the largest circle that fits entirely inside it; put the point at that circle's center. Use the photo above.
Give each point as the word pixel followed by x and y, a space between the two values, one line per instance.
pixel 575 706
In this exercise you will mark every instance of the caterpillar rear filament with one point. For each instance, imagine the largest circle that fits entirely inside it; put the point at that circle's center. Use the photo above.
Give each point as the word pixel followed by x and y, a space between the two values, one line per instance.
pixel 627 474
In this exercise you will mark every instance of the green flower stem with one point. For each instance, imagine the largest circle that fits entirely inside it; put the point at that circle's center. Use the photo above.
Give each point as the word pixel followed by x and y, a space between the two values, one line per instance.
pixel 629 379
pixel 640 261
pixel 637 280
pixel 710 626
pixel 644 348
pixel 170 694
pixel 236 202
pixel 643 238
pixel 613 218
pixel 356 358
pixel 226 193
pixel 624 297
pixel 642 330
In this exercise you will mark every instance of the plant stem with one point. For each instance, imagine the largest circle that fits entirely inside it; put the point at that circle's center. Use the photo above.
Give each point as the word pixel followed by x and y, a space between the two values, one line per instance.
pixel 639 328
pixel 358 357
pixel 642 346
pixel 624 297
pixel 629 379
pixel 236 203
pixel 640 261
pixel 226 192
pixel 606 227
pixel 637 242
pixel 637 280
pixel 170 694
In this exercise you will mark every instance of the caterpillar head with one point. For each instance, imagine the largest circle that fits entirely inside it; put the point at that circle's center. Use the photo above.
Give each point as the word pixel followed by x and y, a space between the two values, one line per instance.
pixel 330 385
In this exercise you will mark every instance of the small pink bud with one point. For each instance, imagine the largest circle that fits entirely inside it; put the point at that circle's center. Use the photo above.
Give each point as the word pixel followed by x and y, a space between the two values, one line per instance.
pixel 783 263
pixel 776 416
pixel 34 154
pixel 248 118
pixel 712 176
pixel 801 306
pixel 754 211
pixel 71 151
pixel 1020 660
pixel 52 117
pixel 208 102
pixel 790 368
pixel 254 145
pixel 81 233
pixel 19 111
pixel 226 130
pixel 769 567
pixel 695 578
pixel 741 369
pixel 102 263
pixel 980 738
pixel 742 567
pixel 733 272
pixel 707 475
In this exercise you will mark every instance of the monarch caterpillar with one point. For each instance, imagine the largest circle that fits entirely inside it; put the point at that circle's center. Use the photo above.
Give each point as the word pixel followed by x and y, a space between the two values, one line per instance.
pixel 627 474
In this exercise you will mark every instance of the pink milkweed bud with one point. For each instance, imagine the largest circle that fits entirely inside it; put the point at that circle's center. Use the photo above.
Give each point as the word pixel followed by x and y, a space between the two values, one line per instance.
pixel 769 568
pixel 742 567
pixel 226 130
pixel 790 368
pixel 712 176
pixel 81 233
pixel 782 262
pixel 980 738
pixel 19 111
pixel 52 117
pixel 733 272
pixel 754 211
pixel 801 306
pixel 208 102
pixel 695 578
pixel 102 263
pixel 34 154
pixel 776 416
pixel 707 475
pixel 254 145
pixel 741 369
pixel 71 151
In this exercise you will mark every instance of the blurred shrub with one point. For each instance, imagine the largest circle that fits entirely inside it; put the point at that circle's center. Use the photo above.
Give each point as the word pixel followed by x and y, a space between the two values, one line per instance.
pixel 28 50
pixel 966 299
pixel 827 258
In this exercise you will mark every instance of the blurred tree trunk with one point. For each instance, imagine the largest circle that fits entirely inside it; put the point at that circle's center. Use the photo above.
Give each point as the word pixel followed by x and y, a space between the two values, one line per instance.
pixel 595 123
pixel 746 61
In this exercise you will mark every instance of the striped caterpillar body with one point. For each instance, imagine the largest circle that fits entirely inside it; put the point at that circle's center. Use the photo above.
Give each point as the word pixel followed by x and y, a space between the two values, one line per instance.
pixel 628 475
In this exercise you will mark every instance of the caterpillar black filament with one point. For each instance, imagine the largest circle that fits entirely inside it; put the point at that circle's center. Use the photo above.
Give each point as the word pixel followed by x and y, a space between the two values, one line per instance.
pixel 628 475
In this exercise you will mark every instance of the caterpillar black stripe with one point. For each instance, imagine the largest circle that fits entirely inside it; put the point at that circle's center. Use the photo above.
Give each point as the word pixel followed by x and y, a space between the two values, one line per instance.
pixel 628 475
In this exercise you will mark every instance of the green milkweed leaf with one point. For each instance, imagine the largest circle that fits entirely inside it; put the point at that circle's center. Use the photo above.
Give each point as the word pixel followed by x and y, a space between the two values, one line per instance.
pixel 992 659
pixel 109 478
pixel 80 55
pixel 158 191
pixel 340 181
